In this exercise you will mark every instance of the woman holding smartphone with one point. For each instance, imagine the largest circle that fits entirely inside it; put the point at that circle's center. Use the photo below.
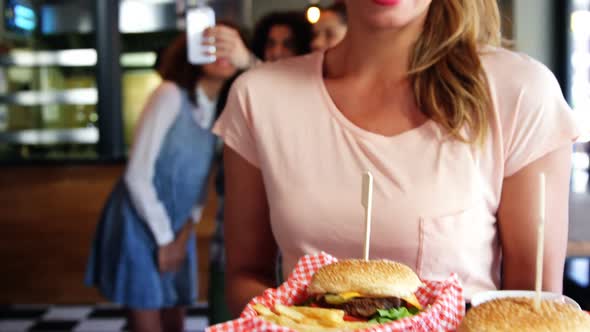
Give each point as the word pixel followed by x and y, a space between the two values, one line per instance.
pixel 454 129
pixel 144 250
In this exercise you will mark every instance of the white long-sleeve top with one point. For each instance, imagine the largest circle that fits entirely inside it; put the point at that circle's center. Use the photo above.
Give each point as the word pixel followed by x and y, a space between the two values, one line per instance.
pixel 157 117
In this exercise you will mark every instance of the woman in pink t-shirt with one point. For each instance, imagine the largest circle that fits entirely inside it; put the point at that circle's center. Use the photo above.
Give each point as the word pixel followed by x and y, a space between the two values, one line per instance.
pixel 454 129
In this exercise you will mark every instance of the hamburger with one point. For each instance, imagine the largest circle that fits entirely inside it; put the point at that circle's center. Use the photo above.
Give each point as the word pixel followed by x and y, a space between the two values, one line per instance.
pixel 519 314
pixel 377 290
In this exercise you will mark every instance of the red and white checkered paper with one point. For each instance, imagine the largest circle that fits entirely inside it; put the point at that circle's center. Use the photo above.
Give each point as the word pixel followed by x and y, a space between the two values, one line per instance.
pixel 443 302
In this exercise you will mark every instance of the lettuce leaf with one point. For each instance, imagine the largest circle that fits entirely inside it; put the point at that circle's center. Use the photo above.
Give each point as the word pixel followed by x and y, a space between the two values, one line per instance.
pixel 389 315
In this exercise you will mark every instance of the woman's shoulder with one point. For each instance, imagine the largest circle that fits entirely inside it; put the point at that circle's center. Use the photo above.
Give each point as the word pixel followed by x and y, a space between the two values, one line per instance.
pixel 168 89
pixel 514 71
pixel 164 102
pixel 280 74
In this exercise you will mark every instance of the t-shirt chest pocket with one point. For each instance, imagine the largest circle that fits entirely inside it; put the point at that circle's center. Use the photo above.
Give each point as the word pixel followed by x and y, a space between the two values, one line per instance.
pixel 460 242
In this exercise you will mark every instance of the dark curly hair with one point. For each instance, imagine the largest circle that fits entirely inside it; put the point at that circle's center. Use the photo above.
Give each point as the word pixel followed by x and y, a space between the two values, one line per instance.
pixel 296 21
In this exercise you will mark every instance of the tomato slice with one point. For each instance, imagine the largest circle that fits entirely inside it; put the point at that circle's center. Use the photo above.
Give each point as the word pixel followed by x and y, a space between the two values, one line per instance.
pixel 350 318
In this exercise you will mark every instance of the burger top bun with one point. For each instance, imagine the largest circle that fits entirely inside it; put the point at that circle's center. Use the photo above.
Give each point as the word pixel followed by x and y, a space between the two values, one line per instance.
pixel 519 314
pixel 373 278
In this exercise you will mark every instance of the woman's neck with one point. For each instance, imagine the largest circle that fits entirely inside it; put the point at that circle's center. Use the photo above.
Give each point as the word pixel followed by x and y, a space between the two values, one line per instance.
pixel 210 86
pixel 375 53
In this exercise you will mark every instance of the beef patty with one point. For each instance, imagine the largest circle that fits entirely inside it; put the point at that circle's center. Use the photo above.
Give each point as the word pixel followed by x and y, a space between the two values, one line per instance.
pixel 365 307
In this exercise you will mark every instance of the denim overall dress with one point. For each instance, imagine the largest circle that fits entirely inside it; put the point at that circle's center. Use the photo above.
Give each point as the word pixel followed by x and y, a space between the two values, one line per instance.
pixel 123 259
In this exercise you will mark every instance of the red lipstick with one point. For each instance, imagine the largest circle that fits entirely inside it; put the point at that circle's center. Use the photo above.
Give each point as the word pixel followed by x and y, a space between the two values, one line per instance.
pixel 387 2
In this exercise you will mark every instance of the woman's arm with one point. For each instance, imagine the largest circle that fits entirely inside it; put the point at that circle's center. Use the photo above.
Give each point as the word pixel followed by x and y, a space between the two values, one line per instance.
pixel 250 246
pixel 518 220
pixel 157 117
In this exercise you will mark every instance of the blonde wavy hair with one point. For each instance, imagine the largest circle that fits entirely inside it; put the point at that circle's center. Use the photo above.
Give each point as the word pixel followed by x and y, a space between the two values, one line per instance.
pixel 445 68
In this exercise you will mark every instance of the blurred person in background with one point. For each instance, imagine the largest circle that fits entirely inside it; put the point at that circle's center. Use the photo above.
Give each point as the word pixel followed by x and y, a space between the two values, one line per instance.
pixel 331 27
pixel 144 252
pixel 281 35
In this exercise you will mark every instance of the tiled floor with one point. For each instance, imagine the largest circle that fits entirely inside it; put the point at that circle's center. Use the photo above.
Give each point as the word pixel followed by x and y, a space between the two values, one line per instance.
pixel 99 318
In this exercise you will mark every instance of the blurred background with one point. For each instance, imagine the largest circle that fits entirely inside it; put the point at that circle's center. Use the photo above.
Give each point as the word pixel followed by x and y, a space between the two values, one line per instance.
pixel 74 76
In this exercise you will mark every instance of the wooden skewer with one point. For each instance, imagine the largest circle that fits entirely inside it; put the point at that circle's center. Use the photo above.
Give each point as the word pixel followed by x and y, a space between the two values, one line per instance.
pixel 540 241
pixel 367 202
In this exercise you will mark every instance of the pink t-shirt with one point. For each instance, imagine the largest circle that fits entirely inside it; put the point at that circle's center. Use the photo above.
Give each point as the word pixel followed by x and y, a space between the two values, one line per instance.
pixel 434 199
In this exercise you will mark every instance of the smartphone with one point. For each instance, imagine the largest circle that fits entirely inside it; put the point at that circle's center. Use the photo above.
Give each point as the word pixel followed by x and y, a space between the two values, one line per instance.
pixel 197 20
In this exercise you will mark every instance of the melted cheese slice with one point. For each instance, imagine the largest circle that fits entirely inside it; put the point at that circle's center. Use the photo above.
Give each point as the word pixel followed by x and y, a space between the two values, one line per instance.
pixel 413 301
pixel 341 298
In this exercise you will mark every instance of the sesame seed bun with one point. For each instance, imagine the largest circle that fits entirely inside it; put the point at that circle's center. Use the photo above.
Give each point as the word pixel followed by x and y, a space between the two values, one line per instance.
pixel 519 314
pixel 373 278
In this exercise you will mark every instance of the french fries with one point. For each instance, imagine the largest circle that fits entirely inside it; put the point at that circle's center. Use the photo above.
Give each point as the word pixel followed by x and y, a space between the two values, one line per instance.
pixel 290 313
pixel 308 318
pixel 328 317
